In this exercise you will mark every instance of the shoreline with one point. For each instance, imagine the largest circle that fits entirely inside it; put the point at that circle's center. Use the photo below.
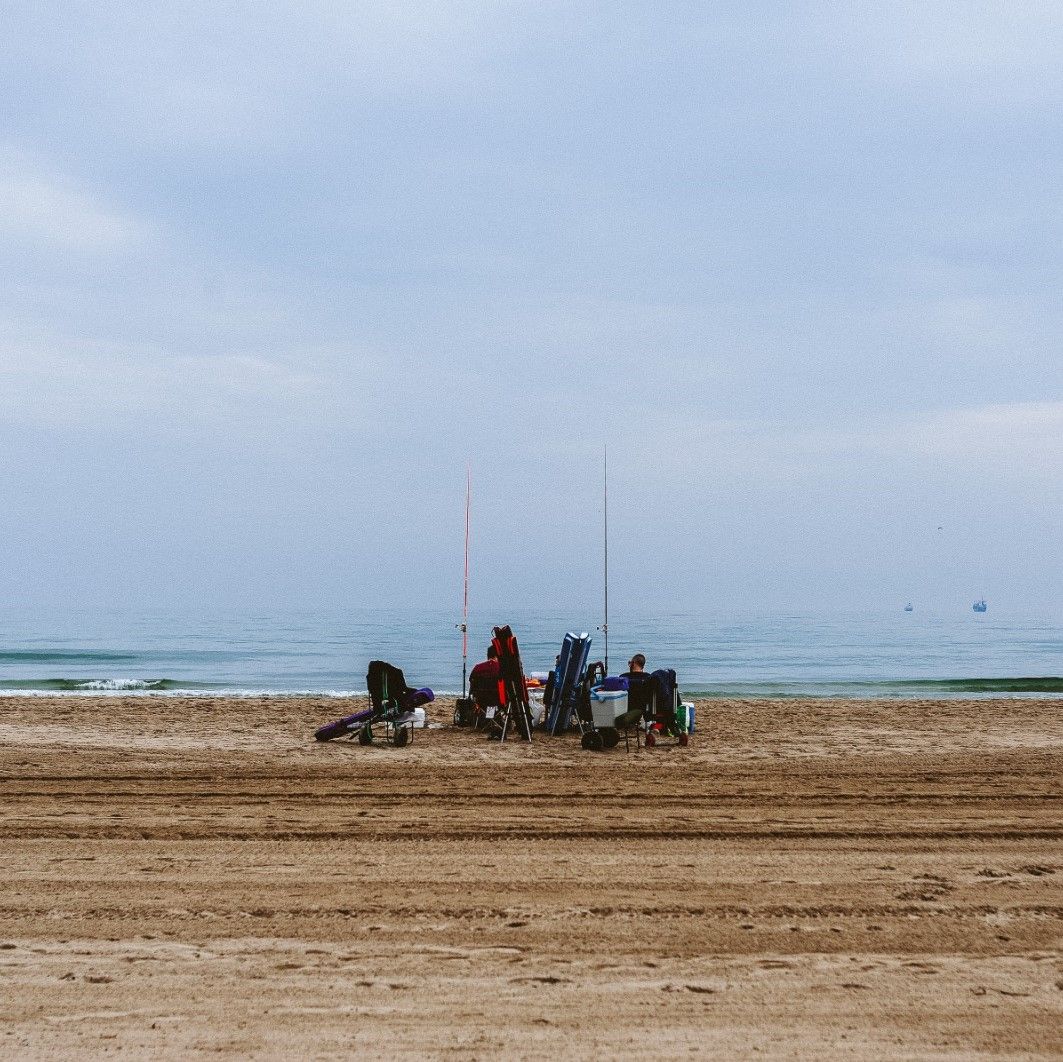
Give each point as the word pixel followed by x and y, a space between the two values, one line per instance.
pixel 1047 688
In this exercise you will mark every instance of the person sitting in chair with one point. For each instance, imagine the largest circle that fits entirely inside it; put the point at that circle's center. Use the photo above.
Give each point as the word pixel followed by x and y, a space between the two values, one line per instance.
pixel 640 685
pixel 636 675
pixel 636 666
pixel 483 685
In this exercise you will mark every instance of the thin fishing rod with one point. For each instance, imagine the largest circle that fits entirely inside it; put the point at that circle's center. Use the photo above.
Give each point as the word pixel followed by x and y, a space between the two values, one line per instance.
pixel 465 602
pixel 605 624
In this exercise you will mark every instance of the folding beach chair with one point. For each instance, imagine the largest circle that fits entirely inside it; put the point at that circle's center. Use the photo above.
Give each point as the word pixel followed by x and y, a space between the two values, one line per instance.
pixel 640 698
pixel 663 716
pixel 514 707
pixel 392 706
pixel 483 701
pixel 566 678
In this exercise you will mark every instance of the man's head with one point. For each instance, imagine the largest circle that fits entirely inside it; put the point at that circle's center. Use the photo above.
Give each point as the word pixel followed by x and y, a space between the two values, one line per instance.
pixel 637 663
pixel 492 652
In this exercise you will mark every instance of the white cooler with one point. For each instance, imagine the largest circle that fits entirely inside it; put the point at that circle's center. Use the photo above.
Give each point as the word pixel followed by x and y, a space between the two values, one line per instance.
pixel 606 705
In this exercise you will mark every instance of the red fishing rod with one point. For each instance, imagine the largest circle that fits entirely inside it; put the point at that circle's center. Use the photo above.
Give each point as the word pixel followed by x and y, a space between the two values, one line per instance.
pixel 465 603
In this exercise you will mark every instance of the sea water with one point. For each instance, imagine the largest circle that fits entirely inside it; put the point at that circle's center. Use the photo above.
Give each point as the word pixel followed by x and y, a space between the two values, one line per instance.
pixel 885 653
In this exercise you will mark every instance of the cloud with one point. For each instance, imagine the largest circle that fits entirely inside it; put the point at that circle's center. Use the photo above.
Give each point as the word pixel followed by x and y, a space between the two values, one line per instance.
pixel 996 51
pixel 798 264
pixel 58 388
pixel 1022 440
pixel 36 206
pixel 968 37
pixel 1024 437
pixel 205 75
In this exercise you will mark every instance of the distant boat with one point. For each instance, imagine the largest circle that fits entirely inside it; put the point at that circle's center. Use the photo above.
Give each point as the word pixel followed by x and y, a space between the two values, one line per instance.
pixel 908 607
pixel 980 606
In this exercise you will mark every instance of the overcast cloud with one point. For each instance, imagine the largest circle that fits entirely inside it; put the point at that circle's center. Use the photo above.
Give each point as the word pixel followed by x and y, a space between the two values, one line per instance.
pixel 273 274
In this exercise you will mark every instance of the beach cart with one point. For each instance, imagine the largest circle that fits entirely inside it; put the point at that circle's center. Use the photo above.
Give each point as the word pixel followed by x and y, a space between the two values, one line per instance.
pixel 395 709
pixel 646 707
pixel 667 715
pixel 616 712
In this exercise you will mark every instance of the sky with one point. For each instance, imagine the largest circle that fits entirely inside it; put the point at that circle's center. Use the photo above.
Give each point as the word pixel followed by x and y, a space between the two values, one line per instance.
pixel 274 276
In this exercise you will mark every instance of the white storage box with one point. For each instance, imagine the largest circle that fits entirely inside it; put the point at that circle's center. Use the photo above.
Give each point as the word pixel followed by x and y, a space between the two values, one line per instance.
pixel 606 705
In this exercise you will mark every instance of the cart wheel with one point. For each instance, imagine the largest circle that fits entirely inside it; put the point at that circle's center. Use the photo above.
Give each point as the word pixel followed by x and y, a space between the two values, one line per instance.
pixel 611 737
pixel 684 740
pixel 365 736
pixel 402 737
pixel 592 741
pixel 651 739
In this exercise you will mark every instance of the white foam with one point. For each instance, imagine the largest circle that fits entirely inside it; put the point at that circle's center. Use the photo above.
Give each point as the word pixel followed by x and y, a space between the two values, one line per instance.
pixel 95 689
pixel 119 684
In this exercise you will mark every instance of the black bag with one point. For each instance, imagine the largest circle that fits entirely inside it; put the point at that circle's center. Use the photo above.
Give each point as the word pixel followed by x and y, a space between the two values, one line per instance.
pixel 464 711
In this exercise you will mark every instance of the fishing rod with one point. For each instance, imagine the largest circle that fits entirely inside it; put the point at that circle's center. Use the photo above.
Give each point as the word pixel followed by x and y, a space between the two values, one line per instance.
pixel 605 507
pixel 464 625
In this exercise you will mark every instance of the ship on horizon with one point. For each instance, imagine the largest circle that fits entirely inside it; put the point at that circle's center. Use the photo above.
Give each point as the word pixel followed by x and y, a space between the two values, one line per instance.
pixel 908 607
pixel 980 605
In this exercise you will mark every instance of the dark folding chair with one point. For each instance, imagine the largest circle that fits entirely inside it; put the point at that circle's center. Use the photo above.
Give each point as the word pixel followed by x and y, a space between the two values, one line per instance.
pixel 663 715
pixel 640 698
pixel 388 695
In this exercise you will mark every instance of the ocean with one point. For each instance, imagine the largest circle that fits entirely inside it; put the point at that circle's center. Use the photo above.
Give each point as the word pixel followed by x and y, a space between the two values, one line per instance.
pixel 885 653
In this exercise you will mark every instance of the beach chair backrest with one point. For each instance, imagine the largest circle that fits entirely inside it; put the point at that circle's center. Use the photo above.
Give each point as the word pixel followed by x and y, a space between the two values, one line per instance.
pixel 572 662
pixel 483 685
pixel 641 692
pixel 666 690
pixel 511 685
pixel 386 684
pixel 563 690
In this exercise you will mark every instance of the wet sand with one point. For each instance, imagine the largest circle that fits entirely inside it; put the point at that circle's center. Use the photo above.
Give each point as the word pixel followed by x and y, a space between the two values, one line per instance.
pixel 847 879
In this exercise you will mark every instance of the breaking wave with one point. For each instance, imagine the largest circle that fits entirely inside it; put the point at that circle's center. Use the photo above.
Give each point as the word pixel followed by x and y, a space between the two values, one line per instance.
pixel 110 685
pixel 62 687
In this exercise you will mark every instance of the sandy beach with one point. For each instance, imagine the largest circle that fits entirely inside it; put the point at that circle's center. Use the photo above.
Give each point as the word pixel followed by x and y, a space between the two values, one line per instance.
pixel 187 878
